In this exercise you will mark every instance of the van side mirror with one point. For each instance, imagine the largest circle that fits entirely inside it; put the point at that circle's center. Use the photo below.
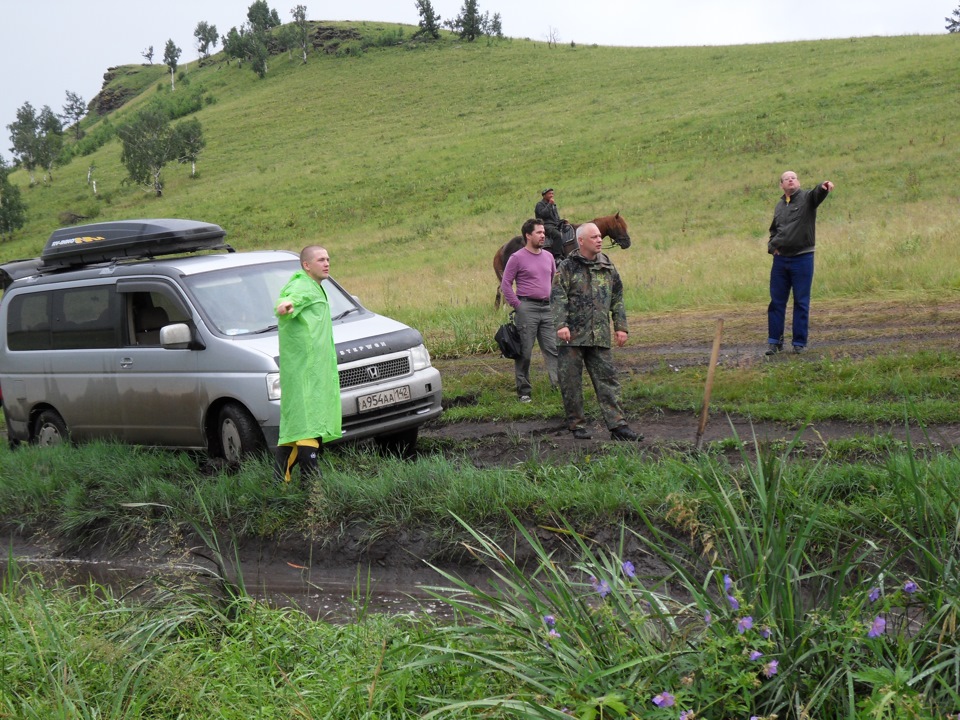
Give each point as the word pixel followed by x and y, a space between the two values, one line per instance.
pixel 179 336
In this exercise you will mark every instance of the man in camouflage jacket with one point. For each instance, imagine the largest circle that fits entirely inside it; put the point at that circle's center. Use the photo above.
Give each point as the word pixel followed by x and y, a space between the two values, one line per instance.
pixel 587 293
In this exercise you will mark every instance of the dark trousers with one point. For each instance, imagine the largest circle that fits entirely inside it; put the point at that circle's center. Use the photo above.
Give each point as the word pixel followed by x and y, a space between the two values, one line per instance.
pixel 790 274
pixel 287 457
pixel 554 241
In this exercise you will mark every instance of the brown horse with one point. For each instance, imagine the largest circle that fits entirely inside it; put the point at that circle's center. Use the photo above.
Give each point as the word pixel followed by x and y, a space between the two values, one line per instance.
pixel 611 226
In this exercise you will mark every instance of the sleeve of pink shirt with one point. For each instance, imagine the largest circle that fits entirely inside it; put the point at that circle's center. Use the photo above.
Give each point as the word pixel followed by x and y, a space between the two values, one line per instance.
pixel 506 284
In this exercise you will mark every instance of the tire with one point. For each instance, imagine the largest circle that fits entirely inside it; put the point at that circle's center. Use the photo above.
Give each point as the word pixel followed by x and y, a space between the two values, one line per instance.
pixel 238 435
pixel 49 429
pixel 401 444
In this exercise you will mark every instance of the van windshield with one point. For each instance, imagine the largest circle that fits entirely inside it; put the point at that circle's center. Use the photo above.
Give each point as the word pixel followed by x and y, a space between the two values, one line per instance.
pixel 241 301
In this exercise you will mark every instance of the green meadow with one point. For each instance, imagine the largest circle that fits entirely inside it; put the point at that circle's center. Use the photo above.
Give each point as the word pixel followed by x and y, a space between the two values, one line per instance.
pixel 412 163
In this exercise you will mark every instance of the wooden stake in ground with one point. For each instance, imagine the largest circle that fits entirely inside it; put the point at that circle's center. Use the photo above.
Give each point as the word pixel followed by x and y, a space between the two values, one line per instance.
pixel 709 386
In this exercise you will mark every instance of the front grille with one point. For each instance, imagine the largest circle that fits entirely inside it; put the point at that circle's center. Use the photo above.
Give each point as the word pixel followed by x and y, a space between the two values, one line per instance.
pixel 374 372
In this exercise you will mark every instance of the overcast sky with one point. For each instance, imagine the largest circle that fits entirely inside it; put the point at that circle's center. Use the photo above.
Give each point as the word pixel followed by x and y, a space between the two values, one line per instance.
pixel 50 46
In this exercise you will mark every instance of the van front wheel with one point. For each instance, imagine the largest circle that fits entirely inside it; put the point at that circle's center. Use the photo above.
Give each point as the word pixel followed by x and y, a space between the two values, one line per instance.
pixel 49 429
pixel 238 433
pixel 401 444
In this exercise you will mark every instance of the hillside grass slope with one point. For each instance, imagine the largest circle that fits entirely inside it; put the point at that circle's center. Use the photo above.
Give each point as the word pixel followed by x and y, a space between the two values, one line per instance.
pixel 413 163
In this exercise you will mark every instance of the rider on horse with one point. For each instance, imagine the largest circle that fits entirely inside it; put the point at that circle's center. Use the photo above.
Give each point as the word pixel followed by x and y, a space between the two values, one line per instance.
pixel 558 230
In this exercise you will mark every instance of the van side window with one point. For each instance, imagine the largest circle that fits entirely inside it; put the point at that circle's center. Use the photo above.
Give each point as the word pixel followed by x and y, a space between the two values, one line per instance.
pixel 28 322
pixel 82 319
pixel 148 312
pixel 74 319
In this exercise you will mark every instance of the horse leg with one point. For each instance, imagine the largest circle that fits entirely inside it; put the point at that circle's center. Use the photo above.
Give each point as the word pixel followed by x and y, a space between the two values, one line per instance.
pixel 498 265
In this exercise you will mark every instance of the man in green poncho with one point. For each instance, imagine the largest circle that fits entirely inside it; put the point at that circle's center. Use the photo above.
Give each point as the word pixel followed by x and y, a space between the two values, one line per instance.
pixel 309 382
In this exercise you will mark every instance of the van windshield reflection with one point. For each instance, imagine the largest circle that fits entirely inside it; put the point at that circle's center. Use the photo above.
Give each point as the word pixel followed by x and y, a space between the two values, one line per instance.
pixel 241 301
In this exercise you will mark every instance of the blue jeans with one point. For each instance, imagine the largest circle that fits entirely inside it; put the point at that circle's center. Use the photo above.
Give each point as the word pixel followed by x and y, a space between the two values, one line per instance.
pixel 790 273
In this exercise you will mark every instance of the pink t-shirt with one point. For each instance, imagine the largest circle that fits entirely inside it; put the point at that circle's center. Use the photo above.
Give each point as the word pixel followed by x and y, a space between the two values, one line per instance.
pixel 533 273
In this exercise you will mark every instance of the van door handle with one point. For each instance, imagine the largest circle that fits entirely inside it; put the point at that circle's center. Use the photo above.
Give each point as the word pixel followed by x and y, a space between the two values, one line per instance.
pixel 126 362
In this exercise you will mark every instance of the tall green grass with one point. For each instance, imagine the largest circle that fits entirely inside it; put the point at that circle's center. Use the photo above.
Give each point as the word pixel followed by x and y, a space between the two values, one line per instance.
pixel 767 597
pixel 117 498
pixel 755 616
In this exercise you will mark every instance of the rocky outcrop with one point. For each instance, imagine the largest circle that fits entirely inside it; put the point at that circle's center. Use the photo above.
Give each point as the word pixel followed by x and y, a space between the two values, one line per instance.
pixel 111 98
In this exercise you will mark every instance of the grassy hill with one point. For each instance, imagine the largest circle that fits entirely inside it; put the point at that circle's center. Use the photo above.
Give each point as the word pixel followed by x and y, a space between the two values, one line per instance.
pixel 413 163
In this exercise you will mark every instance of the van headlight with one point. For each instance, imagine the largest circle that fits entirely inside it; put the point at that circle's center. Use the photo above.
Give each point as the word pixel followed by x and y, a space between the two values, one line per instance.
pixel 273 386
pixel 420 357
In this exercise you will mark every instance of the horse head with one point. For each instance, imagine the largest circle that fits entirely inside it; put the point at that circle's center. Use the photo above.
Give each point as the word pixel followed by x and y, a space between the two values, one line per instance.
pixel 615 228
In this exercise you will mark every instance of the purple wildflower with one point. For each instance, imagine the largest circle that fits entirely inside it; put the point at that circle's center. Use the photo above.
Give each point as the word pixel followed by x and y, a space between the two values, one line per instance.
pixel 770 669
pixel 686 715
pixel 549 620
pixel 664 699
pixel 734 603
pixel 707 617
pixel 766 632
pixel 744 624
pixel 602 587
pixel 910 587
pixel 755 655
pixel 727 584
pixel 628 569
pixel 874 594
pixel 553 633
pixel 879 625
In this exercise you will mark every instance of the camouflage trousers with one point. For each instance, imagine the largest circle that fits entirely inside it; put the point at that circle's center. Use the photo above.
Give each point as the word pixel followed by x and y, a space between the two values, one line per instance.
pixel 603 375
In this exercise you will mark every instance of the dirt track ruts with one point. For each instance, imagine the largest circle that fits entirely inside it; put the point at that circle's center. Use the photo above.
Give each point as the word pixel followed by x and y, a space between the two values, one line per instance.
pixel 839 330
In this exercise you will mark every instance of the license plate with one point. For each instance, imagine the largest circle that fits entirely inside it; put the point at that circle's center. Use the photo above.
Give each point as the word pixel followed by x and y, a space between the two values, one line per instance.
pixel 373 401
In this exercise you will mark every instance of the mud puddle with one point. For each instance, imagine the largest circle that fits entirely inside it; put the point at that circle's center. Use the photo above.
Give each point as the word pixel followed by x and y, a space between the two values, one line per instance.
pixel 340 594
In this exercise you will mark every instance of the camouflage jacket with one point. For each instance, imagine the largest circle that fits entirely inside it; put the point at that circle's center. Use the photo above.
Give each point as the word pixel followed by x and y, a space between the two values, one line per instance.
pixel 586 295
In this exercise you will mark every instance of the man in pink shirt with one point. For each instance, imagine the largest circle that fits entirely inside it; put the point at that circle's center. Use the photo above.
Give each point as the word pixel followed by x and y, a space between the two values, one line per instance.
pixel 532 269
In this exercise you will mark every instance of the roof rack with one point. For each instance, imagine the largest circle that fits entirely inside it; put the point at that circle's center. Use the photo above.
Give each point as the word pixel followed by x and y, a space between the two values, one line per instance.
pixel 16 269
pixel 129 239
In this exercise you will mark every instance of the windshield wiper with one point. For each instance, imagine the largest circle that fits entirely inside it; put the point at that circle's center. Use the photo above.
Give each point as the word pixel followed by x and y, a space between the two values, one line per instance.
pixel 267 329
pixel 347 312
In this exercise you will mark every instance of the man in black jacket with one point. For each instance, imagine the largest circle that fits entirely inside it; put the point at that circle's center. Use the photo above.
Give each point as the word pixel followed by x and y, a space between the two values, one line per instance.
pixel 792 240
pixel 546 211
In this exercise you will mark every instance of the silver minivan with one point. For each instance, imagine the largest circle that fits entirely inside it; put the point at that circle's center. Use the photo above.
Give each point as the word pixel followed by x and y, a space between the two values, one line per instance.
pixel 155 332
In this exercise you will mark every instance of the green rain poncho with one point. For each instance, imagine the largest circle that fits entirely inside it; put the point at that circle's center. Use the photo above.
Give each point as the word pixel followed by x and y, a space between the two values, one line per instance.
pixel 309 382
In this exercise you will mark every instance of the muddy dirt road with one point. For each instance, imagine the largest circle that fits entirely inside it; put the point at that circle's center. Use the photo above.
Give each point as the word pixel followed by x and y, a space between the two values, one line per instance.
pixel 685 339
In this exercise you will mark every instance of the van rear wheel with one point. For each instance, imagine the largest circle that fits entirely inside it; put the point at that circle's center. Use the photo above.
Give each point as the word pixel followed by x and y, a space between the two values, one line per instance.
pixel 49 429
pixel 238 434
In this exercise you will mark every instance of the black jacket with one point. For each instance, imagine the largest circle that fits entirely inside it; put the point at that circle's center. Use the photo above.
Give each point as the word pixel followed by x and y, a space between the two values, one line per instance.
pixel 794 226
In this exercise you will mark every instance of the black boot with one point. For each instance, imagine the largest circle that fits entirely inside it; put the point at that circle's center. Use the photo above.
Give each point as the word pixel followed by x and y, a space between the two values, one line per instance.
pixel 309 458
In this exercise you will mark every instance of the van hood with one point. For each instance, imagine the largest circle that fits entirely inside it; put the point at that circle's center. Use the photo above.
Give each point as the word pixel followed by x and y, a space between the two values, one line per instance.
pixel 369 335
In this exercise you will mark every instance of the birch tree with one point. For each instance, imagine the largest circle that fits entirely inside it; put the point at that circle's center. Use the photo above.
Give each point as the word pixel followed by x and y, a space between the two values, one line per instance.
pixel 171 54
pixel 300 25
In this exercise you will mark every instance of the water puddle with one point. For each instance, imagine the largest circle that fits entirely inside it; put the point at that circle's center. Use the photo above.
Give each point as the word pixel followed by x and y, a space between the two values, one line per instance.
pixel 340 594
